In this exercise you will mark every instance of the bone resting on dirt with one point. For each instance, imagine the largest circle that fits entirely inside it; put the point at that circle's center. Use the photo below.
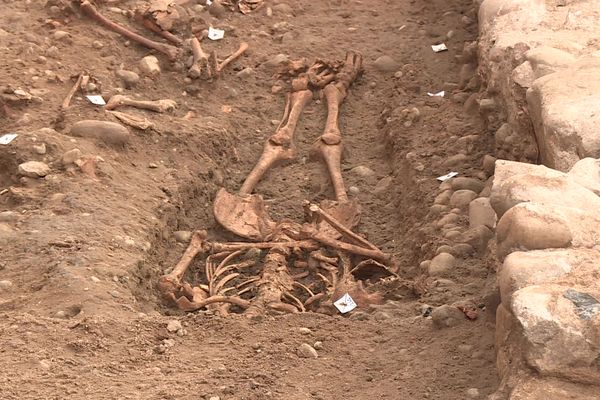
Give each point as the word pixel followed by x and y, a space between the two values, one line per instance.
pixel 238 276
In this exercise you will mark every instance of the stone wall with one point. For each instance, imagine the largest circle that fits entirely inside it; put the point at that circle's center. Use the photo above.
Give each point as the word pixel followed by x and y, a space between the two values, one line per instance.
pixel 540 64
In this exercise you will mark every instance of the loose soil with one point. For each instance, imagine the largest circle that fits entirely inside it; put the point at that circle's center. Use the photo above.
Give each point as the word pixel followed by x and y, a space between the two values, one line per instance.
pixel 82 318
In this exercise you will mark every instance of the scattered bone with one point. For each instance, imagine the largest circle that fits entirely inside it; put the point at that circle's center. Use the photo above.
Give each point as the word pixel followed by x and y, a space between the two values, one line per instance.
pixel 248 6
pixel 159 106
pixel 134 121
pixel 67 101
pixel 91 11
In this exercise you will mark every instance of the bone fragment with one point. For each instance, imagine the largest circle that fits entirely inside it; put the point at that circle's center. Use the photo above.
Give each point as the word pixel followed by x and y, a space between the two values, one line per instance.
pixel 159 106
pixel 67 101
pixel 91 11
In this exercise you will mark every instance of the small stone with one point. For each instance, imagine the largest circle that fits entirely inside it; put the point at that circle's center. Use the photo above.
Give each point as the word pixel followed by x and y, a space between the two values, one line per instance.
pixel 59 35
pixel 442 265
pixel 386 64
pixel 53 52
pixel 276 61
pixel 9 216
pixel 182 236
pixel 455 160
pixel 109 132
pixel 307 351
pixel 149 66
pixel 34 169
pixel 473 393
pixel 398 74
pixel 40 148
pixel 461 249
pixel 478 237
pixel 174 326
pixel 114 294
pixel 487 105
pixel 465 183
pixel 41 60
pixel 383 185
pixel 217 10
pixel 443 198
pixel 71 156
pixel 5 285
pixel 61 314
pixel 152 165
pixel 283 8
pixel 245 73
pixel 96 44
pixel 489 164
pixel 381 316
pixel 129 78
pixel 446 316
pixel 481 213
pixel 94 279
pixel 214 398
pixel 305 331
pixel 362 171
pixel 465 348
pixel 444 249
pixel 318 345
pixel 462 198
pixel 353 190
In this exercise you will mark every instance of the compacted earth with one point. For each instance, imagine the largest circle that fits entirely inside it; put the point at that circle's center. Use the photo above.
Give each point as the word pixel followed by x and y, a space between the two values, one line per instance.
pixel 85 237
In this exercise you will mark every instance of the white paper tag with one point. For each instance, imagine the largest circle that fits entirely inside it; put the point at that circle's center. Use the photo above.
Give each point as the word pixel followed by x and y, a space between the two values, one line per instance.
pixel 447 176
pixel 439 47
pixel 96 99
pixel 9 137
pixel 345 304
pixel 215 34
pixel 438 94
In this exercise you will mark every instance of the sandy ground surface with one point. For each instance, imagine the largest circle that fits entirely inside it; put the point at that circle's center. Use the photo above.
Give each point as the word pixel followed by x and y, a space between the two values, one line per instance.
pixel 80 314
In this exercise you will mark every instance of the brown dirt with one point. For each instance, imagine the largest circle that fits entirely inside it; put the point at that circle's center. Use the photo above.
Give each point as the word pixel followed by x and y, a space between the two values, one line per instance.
pixel 82 318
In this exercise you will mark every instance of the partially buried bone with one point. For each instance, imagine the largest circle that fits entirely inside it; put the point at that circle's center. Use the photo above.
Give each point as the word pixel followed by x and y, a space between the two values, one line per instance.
pixel 159 106
pixel 91 11
pixel 207 66
pixel 132 120
pixel 329 145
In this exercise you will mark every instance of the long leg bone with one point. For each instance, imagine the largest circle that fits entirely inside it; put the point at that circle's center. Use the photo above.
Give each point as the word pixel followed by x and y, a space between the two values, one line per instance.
pixel 160 106
pixel 91 11
pixel 329 145
pixel 280 146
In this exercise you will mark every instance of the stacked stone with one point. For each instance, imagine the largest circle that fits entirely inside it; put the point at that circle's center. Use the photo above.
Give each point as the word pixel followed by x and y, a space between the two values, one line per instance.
pixel 539 66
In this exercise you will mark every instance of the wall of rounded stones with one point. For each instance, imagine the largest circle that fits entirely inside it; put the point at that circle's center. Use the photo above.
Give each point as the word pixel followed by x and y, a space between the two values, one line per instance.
pixel 539 61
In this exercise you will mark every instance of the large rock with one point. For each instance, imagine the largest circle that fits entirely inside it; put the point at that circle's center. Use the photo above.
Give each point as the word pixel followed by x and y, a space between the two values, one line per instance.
pixel 529 226
pixel 586 172
pixel 521 269
pixel 565 109
pixel 547 60
pixel 530 12
pixel 552 389
pixel 110 133
pixel 542 187
pixel 561 328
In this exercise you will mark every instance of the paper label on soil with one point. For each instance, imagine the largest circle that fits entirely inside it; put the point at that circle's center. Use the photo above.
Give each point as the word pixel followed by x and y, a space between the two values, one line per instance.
pixel 215 34
pixel 439 47
pixel 438 94
pixel 9 137
pixel 345 304
pixel 447 176
pixel 96 99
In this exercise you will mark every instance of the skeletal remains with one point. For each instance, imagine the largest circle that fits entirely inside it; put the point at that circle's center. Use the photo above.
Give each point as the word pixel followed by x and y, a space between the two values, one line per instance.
pixel 286 266
pixel 159 16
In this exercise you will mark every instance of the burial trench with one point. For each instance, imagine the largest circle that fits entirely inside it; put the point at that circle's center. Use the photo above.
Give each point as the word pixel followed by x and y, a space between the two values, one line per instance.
pixel 398 140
